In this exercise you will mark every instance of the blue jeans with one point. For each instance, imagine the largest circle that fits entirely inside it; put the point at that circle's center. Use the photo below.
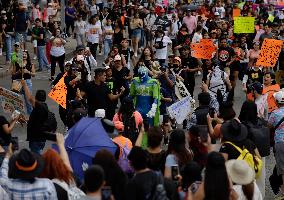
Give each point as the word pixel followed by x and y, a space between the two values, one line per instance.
pixel 9 40
pixel 41 56
pixel 21 37
pixel 36 147
pixel 108 44
pixel 28 104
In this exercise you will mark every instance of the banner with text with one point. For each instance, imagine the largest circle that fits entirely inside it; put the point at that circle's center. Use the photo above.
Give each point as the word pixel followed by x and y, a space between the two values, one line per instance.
pixel 244 24
pixel 181 109
pixel 11 101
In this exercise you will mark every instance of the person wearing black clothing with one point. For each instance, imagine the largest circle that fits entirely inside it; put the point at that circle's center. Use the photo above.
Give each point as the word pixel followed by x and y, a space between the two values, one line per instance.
pixel 6 130
pixel 121 75
pixel 191 66
pixel 226 54
pixel 112 105
pixel 9 35
pixel 127 53
pixel 35 129
pixel 97 93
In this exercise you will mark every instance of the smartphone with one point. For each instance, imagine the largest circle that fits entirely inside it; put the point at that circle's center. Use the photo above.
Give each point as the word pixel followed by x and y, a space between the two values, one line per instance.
pixel 146 124
pixel 211 112
pixel 15 143
pixel 106 193
pixel 203 132
pixel 175 172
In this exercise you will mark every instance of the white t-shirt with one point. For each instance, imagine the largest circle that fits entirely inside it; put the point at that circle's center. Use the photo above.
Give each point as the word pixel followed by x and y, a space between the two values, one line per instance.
pixel 221 10
pixel 93 33
pixel 196 37
pixel 57 48
pixel 262 106
pixel 94 9
pixel 108 29
pixel 162 53
pixel 80 27
pixel 241 196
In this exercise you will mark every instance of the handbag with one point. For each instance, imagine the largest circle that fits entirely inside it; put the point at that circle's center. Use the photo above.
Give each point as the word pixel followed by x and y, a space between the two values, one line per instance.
pixel 16 86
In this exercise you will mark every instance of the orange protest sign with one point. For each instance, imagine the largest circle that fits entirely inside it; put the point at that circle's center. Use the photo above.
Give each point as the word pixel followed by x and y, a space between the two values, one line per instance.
pixel 204 49
pixel 59 92
pixel 270 99
pixel 269 53
pixel 236 12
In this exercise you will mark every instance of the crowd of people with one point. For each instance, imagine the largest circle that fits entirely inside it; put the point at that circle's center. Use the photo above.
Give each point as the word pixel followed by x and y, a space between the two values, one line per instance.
pixel 148 65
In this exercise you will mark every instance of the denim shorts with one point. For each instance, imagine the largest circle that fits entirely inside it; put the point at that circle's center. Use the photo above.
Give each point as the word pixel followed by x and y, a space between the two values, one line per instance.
pixel 136 33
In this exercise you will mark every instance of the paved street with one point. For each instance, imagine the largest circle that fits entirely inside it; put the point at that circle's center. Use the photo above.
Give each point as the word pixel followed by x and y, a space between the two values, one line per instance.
pixel 41 82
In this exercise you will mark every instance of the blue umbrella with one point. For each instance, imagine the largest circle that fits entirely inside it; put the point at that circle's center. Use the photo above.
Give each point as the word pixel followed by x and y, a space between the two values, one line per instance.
pixel 83 141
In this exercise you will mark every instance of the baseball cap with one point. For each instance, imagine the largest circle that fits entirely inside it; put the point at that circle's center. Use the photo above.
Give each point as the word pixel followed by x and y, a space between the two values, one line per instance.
pixel 80 47
pixel 279 97
pixel 17 44
pixel 216 13
pixel 117 57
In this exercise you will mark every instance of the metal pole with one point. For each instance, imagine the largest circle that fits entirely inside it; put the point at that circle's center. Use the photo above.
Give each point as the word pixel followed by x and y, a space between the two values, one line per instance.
pixel 62 15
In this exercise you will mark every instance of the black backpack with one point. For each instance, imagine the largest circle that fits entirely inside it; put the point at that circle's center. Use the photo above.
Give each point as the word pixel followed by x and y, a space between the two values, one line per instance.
pixel 260 135
pixel 159 192
pixel 130 130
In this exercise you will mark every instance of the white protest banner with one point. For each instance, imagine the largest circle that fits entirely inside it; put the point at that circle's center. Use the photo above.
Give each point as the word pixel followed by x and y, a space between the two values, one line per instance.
pixel 181 109
pixel 11 101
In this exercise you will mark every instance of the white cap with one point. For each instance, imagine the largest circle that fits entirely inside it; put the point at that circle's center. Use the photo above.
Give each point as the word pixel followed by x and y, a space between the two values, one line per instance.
pixel 100 113
pixel 107 67
pixel 216 13
pixel 279 97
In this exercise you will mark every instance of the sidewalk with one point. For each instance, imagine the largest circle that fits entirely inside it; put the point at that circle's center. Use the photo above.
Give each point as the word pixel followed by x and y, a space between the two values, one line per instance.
pixel 69 48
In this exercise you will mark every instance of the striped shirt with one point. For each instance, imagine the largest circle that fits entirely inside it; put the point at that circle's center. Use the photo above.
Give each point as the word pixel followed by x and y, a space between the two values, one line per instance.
pixel 17 189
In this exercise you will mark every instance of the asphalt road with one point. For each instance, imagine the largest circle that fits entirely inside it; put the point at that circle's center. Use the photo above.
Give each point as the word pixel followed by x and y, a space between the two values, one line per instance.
pixel 40 81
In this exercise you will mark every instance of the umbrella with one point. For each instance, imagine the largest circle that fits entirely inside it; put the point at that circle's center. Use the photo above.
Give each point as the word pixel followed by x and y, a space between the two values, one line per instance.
pixel 84 140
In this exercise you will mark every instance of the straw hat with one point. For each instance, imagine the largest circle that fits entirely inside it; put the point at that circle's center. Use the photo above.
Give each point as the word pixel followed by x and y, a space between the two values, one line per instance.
pixel 240 172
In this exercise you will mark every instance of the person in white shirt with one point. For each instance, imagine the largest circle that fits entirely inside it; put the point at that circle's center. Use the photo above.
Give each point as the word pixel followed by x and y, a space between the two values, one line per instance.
pixel 94 34
pixel 174 28
pixel 161 43
pixel 80 28
pixel 108 37
pixel 220 9
pixel 94 9
pixel 149 21
pixel 197 36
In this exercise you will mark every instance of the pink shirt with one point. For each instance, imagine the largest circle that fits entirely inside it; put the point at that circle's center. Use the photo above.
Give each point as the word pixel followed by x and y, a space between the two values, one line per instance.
pixel 190 22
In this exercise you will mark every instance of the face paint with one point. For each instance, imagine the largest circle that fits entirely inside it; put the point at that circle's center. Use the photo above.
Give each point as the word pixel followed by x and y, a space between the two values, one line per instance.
pixel 143 73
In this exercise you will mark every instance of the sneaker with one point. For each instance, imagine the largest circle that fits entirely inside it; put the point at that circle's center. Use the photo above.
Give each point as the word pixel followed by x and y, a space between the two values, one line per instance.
pixel 39 70
pixel 35 57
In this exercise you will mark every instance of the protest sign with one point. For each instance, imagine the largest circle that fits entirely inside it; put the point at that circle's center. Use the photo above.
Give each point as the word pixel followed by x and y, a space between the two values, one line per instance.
pixel 11 101
pixel 236 12
pixel 244 24
pixel 181 109
pixel 269 53
pixel 204 49
pixel 59 92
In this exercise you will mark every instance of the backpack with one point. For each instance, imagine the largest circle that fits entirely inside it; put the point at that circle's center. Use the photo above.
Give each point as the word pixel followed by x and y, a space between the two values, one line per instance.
pixel 130 130
pixel 253 161
pixel 260 135
pixel 159 192
pixel 123 160
pixel 73 192
pixel 50 124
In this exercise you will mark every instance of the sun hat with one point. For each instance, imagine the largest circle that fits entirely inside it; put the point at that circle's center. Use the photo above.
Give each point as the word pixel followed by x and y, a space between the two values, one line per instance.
pixel 240 172
pixel 25 165
pixel 234 131
pixel 279 97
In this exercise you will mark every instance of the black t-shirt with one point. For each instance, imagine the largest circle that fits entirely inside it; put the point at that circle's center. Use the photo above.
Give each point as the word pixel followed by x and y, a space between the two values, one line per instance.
pixel 225 55
pixel 190 63
pixel 71 91
pixel 232 152
pixel 156 161
pixel 35 124
pixel 97 96
pixel 119 77
pixel 142 186
pixel 5 138
pixel 254 76
pixel 39 31
pixel 113 89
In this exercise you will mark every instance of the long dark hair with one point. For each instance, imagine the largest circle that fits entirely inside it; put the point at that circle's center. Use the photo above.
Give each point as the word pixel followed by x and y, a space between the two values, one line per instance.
pixel 127 107
pixel 29 63
pixel 177 147
pixel 248 112
pixel 142 58
pixel 216 182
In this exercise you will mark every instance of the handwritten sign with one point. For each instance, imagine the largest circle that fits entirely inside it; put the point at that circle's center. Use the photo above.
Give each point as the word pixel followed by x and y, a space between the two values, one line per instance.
pixel 244 24
pixel 236 12
pixel 204 49
pixel 181 109
pixel 11 101
pixel 269 52
pixel 59 92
